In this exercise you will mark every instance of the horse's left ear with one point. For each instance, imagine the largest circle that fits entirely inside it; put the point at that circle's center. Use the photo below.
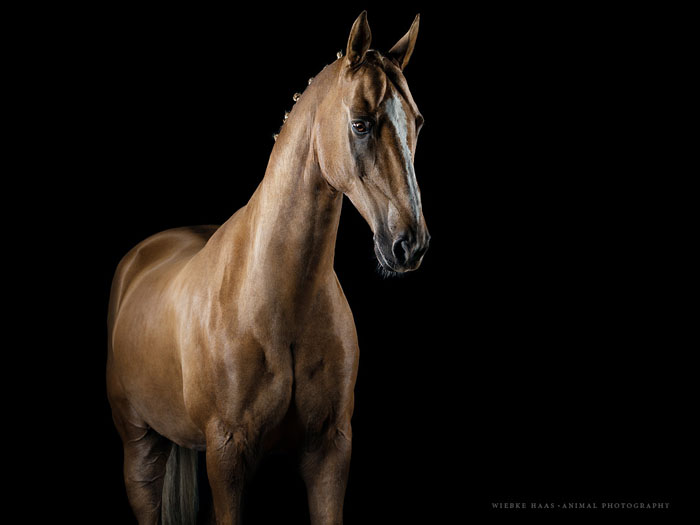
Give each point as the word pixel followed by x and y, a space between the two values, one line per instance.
pixel 403 49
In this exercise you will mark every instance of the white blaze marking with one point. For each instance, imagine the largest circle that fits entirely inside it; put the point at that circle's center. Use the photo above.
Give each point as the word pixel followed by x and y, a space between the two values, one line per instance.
pixel 395 112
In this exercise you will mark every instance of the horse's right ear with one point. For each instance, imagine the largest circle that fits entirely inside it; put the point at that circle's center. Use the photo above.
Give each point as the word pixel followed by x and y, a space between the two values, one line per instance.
pixel 359 40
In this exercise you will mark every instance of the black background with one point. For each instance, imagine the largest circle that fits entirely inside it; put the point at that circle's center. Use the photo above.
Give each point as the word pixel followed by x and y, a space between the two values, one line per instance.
pixel 534 356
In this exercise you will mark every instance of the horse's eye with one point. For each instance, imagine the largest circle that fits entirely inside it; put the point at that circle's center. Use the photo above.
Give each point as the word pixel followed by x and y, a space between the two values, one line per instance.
pixel 361 127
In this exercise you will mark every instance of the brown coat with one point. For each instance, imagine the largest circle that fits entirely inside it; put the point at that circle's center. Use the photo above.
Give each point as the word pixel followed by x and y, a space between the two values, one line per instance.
pixel 235 338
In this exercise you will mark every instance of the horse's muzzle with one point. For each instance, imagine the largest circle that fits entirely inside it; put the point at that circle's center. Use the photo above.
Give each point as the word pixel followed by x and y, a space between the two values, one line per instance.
pixel 404 253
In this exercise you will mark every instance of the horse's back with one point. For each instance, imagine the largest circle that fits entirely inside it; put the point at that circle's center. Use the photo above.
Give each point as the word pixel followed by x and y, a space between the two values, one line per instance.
pixel 157 252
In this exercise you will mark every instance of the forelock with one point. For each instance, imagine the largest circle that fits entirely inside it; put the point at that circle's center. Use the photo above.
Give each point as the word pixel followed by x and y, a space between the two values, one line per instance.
pixel 368 83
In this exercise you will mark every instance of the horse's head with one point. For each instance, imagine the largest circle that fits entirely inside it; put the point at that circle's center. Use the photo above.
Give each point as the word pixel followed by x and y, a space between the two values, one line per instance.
pixel 366 141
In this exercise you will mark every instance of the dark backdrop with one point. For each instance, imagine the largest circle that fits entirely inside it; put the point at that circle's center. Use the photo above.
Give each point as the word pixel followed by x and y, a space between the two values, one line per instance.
pixel 531 358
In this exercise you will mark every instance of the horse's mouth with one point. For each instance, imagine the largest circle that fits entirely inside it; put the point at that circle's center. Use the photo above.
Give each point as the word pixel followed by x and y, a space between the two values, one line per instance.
pixel 388 266
pixel 383 263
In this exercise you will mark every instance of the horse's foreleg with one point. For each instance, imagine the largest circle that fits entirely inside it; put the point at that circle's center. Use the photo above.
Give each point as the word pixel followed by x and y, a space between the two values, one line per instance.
pixel 325 465
pixel 230 461
pixel 145 456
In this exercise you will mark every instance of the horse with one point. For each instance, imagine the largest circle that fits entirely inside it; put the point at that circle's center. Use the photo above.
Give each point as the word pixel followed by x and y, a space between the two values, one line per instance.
pixel 230 340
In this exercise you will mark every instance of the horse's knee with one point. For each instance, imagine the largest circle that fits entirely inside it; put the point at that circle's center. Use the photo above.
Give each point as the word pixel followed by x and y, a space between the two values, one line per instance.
pixel 334 438
pixel 229 447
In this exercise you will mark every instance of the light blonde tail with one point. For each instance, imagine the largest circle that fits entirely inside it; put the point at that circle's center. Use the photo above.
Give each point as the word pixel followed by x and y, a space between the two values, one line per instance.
pixel 180 491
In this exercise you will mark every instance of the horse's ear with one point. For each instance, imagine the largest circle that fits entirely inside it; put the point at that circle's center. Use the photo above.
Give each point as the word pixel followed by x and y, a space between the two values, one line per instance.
pixel 403 49
pixel 359 40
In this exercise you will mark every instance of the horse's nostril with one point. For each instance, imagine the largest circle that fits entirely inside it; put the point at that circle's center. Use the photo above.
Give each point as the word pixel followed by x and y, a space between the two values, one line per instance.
pixel 401 250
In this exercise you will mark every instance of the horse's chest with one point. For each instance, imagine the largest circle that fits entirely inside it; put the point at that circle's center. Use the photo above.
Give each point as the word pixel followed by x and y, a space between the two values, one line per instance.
pixel 275 381
pixel 270 377
pixel 319 393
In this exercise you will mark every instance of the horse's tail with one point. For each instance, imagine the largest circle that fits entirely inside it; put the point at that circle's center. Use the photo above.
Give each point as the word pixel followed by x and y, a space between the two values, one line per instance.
pixel 180 492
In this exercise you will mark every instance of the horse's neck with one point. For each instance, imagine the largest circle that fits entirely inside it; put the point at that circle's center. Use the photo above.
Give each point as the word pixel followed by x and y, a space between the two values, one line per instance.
pixel 294 216
pixel 289 224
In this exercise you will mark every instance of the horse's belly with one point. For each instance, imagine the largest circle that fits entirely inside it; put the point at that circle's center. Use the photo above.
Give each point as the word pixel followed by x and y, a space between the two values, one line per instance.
pixel 154 392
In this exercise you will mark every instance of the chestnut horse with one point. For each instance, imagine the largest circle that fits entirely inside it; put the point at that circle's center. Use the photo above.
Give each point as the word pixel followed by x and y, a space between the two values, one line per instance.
pixel 231 339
